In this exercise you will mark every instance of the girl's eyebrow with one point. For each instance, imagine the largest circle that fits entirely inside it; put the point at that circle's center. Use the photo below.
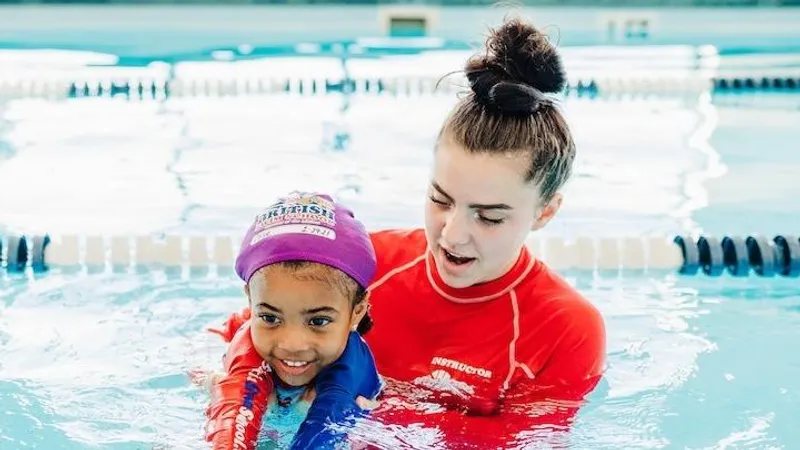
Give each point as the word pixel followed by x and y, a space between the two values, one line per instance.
pixel 266 305
pixel 325 309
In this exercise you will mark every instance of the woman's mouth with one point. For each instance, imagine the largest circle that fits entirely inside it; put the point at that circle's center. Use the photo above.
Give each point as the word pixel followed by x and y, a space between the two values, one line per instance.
pixel 456 259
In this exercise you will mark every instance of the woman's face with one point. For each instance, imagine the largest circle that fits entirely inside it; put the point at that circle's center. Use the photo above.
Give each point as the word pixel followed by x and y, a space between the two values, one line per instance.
pixel 479 212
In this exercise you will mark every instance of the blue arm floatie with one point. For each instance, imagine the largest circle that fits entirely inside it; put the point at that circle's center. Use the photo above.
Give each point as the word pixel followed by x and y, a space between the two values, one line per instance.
pixel 337 387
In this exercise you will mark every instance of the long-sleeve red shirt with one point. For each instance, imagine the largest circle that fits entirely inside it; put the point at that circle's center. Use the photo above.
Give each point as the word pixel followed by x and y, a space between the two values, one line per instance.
pixel 507 356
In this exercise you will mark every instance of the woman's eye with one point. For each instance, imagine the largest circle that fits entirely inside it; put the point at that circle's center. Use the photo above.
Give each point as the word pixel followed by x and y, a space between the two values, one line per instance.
pixel 437 201
pixel 489 221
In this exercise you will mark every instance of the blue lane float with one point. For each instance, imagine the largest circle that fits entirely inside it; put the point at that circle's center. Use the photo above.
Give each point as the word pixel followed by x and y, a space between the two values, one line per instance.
pixel 761 255
pixel 735 256
pixel 39 244
pixel 711 256
pixel 691 256
pixel 787 250
pixel 710 251
pixel 16 253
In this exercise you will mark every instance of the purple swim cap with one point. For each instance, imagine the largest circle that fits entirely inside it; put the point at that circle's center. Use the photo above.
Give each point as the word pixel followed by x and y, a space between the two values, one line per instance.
pixel 308 227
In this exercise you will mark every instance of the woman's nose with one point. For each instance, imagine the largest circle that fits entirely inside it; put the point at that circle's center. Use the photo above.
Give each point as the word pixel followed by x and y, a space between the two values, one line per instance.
pixel 455 231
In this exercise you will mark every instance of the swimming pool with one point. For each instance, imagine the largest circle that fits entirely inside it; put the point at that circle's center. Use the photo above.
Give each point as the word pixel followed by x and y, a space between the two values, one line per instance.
pixel 97 358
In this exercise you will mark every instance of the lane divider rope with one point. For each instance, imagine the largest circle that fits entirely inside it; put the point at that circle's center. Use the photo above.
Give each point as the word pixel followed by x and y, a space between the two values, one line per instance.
pixel 712 256
pixel 161 89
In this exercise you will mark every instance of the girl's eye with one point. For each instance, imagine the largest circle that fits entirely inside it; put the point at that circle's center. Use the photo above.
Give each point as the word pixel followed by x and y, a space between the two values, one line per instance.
pixel 319 322
pixel 270 319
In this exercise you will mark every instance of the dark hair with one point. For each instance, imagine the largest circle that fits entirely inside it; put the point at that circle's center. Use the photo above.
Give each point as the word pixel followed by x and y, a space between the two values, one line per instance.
pixel 507 109
pixel 308 270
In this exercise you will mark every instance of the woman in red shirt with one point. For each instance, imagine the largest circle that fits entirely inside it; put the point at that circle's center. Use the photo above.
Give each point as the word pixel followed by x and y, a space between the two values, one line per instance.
pixel 494 343
pixel 461 309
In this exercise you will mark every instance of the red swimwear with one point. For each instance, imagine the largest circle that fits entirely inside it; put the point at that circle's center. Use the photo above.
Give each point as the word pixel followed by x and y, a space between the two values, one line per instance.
pixel 492 349
pixel 239 399
pixel 503 357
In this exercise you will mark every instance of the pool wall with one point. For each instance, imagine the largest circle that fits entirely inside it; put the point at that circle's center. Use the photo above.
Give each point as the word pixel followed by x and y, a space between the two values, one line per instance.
pixel 170 29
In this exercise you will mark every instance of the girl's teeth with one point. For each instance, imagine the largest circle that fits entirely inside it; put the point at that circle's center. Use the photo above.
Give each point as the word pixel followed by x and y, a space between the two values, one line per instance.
pixel 295 363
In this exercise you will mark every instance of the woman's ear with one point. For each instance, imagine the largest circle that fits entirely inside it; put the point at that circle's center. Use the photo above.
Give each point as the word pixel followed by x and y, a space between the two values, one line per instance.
pixel 548 212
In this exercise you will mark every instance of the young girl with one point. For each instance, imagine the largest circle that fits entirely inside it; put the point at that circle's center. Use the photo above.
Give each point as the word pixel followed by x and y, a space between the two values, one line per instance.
pixel 306 263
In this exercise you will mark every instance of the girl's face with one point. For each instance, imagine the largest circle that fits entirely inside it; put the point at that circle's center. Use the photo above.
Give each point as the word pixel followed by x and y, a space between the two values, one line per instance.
pixel 299 324
pixel 479 212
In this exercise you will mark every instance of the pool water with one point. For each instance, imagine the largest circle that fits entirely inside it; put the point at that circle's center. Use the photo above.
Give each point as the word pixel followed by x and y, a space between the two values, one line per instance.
pixel 94 359
pixel 100 360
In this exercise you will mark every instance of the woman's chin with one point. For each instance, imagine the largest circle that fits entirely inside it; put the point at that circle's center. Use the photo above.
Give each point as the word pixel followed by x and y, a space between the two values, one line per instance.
pixel 454 276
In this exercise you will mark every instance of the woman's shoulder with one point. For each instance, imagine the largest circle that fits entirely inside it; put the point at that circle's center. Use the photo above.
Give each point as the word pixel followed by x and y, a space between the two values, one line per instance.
pixel 398 241
pixel 397 247
pixel 547 294
pixel 558 323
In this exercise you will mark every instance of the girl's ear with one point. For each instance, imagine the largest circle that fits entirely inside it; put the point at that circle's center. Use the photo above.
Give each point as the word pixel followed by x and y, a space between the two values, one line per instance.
pixel 359 311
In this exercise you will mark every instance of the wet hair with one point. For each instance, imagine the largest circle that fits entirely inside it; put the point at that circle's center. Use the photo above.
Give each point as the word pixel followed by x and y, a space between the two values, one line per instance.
pixel 508 111
pixel 335 278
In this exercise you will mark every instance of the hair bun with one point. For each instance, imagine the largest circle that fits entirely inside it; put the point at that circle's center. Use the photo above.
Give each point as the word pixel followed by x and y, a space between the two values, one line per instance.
pixel 521 58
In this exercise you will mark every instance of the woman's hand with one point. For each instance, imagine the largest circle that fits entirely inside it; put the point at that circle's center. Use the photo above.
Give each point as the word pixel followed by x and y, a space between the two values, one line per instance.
pixel 365 403
pixel 204 378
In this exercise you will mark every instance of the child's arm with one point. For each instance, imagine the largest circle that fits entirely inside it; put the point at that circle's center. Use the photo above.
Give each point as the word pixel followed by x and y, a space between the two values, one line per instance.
pixel 352 375
pixel 239 397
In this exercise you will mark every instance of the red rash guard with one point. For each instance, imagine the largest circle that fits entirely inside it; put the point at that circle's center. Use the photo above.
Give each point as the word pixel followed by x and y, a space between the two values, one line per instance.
pixel 516 354
pixel 493 349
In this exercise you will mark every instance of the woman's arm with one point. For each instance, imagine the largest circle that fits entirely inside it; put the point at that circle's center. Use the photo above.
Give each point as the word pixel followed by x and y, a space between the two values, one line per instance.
pixel 537 407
